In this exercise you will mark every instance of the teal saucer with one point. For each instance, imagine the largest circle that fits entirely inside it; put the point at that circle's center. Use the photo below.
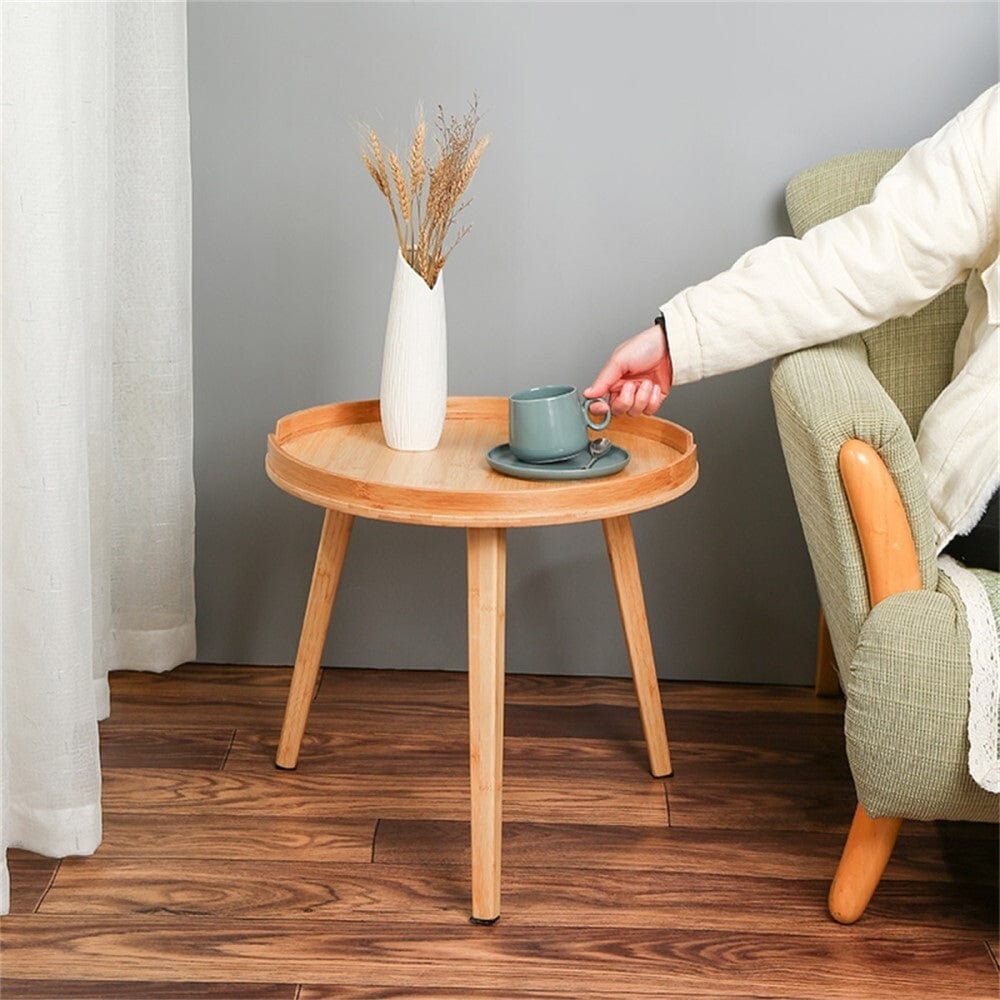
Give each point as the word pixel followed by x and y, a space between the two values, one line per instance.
pixel 504 460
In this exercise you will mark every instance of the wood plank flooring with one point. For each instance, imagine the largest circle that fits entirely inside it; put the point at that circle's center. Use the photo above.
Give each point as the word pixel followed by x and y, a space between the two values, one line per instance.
pixel 220 876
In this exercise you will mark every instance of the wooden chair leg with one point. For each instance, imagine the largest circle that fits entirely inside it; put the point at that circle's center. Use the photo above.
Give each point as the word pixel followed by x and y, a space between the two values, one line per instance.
pixel 632 608
pixel 487 562
pixel 326 575
pixel 827 679
pixel 866 853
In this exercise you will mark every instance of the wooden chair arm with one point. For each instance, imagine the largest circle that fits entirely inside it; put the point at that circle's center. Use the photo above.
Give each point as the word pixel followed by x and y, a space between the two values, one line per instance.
pixel 887 546
pixel 891 566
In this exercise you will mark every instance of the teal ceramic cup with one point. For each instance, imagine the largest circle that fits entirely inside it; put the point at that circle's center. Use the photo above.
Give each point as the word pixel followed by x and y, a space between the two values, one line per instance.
pixel 549 423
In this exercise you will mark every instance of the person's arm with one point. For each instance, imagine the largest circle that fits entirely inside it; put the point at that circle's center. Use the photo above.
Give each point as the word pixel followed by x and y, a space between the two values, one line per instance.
pixel 928 223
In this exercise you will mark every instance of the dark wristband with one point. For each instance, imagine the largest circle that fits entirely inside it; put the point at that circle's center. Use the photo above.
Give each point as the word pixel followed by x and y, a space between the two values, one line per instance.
pixel 662 324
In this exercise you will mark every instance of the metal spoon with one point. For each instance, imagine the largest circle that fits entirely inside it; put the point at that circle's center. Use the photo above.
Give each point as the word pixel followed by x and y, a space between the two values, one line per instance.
pixel 598 448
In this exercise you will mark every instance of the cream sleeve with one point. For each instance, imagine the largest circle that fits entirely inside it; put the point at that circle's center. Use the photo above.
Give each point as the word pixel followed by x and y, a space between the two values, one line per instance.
pixel 928 223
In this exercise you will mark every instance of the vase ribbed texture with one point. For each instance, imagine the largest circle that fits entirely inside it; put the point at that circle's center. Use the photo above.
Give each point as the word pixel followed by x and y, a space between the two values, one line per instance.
pixel 414 392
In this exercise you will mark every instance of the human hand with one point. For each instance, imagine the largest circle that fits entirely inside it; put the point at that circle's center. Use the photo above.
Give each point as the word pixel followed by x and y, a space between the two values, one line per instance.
pixel 638 375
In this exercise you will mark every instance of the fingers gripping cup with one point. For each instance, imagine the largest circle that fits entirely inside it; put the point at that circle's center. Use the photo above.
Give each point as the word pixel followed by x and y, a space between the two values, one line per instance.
pixel 549 423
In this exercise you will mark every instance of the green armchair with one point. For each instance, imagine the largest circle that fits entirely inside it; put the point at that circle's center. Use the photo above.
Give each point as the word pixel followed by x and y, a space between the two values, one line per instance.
pixel 847 413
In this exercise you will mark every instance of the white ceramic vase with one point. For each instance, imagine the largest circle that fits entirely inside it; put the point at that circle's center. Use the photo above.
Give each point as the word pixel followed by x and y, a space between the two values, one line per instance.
pixel 414 392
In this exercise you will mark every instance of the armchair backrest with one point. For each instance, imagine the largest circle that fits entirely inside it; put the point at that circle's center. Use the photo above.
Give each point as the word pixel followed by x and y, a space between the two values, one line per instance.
pixel 911 357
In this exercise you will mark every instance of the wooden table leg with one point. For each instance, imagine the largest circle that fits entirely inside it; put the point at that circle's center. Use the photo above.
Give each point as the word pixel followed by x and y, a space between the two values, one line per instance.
pixel 326 575
pixel 487 557
pixel 632 607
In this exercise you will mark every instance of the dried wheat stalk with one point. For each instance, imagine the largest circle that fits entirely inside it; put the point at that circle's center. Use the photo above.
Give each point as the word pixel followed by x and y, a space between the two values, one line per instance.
pixel 423 221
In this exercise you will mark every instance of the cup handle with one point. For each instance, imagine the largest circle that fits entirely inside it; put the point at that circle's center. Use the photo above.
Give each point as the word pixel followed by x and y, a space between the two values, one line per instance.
pixel 607 416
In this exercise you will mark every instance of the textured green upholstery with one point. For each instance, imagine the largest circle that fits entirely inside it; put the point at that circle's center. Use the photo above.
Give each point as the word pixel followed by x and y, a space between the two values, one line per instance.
pixel 903 665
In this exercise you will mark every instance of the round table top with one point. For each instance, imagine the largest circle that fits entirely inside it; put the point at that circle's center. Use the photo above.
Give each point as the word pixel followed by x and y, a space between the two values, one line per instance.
pixel 335 456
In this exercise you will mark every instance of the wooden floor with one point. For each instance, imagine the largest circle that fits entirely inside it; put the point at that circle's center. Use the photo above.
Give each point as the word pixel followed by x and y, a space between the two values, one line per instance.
pixel 220 876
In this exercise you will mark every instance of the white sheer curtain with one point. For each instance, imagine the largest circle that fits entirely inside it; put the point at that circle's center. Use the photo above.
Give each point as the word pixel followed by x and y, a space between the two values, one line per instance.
pixel 98 496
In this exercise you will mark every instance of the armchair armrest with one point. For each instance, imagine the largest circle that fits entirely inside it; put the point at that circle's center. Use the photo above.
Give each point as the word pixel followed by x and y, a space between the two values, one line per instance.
pixel 823 397
pixel 890 555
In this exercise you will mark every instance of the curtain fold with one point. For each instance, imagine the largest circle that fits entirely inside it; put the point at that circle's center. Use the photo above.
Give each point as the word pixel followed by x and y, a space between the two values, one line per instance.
pixel 98 495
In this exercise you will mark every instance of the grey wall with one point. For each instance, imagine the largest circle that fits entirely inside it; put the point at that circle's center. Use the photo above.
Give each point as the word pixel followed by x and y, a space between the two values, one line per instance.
pixel 637 149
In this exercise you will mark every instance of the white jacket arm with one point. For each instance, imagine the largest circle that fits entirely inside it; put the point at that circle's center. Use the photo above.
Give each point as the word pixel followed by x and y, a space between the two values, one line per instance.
pixel 927 225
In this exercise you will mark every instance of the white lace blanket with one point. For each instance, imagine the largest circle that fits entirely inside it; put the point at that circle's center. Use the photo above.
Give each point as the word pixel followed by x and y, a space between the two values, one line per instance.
pixel 984 687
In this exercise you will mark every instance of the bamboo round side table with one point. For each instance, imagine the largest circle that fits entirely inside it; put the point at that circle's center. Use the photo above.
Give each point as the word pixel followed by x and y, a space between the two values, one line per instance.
pixel 335 456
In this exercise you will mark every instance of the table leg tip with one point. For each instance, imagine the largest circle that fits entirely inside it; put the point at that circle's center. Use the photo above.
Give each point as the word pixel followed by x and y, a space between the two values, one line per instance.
pixel 482 922
pixel 285 767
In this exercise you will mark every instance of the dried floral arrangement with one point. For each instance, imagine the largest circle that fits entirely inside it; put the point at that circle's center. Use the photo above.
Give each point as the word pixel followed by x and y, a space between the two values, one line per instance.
pixel 430 198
